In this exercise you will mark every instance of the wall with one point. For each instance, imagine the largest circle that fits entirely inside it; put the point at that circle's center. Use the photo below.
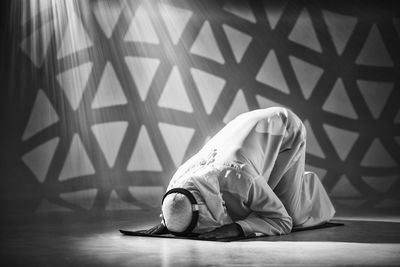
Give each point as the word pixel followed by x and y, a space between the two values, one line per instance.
pixel 105 99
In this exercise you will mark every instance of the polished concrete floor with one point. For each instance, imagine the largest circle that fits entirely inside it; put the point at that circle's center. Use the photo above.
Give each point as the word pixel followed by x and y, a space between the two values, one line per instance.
pixel 66 240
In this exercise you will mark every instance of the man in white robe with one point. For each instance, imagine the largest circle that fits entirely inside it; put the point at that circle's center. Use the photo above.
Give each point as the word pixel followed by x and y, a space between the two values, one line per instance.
pixel 249 178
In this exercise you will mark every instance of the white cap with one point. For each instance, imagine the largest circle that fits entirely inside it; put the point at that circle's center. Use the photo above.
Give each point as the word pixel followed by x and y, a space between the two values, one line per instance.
pixel 177 212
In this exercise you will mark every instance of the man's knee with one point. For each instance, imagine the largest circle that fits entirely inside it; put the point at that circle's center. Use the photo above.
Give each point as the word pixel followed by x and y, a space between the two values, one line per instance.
pixel 285 114
pixel 279 120
pixel 273 111
pixel 274 121
pixel 293 123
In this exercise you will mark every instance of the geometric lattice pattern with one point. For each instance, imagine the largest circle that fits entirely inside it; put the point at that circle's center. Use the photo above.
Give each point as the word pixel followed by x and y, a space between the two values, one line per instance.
pixel 138 87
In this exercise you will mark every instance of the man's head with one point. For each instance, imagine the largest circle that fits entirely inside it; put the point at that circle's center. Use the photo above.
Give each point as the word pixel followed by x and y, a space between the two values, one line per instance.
pixel 183 213
pixel 177 212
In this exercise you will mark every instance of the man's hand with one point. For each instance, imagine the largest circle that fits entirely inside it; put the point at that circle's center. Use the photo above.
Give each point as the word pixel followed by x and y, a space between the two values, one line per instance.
pixel 226 231
pixel 159 229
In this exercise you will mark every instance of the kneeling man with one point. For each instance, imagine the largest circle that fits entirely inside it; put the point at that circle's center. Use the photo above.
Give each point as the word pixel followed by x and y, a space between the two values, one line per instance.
pixel 249 178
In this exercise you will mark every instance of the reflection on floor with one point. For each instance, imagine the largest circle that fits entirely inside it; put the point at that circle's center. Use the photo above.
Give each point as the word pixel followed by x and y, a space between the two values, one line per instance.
pixel 61 240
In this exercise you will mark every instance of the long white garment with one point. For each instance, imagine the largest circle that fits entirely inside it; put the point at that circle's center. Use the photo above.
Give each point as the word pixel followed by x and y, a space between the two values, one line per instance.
pixel 252 172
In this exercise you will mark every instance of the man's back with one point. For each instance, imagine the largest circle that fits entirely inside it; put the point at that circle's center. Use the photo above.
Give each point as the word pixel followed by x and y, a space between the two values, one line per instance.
pixel 257 161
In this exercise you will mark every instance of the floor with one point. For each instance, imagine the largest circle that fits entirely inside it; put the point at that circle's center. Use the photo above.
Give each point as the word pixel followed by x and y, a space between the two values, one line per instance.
pixel 67 240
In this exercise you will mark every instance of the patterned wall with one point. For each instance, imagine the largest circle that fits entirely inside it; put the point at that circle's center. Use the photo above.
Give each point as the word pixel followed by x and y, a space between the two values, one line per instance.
pixel 120 93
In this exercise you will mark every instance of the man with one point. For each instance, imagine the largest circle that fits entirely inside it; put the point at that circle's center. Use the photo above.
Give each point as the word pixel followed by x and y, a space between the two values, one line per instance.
pixel 249 178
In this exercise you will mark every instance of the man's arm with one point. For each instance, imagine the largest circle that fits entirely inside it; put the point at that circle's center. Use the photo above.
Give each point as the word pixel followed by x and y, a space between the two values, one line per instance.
pixel 159 229
pixel 227 231
pixel 268 216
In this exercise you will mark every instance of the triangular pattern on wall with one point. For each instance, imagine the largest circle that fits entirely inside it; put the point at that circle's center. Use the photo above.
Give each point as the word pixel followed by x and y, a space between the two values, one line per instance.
pixel 109 92
pixel 274 12
pixel 35 8
pixel 109 137
pixel 116 203
pixel 205 45
pixel 374 52
pixel 340 27
pixel 303 32
pixel 175 20
pixel 141 28
pixel 312 147
pixel 344 189
pixel 241 9
pixel 77 162
pixel 338 101
pixel 209 87
pixel 264 102
pixel 144 156
pixel 107 14
pixel 177 139
pixel 307 75
pixel 238 41
pixel 47 206
pixel 142 70
pixel 150 195
pixel 342 140
pixel 285 47
pixel 38 160
pixel 238 106
pixel 270 73
pixel 42 116
pixel 375 95
pixel 82 198
pixel 74 81
pixel 75 37
pixel 37 44
pixel 174 95
pixel 377 156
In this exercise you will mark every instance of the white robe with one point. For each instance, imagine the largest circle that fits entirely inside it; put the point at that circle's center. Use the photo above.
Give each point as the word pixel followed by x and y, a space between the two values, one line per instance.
pixel 252 172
